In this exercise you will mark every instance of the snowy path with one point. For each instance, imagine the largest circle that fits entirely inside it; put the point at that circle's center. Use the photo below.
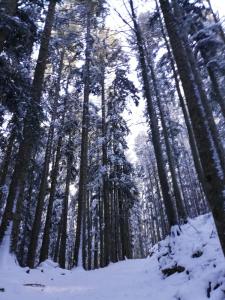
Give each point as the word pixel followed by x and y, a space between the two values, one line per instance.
pixel 124 280
pixel 131 279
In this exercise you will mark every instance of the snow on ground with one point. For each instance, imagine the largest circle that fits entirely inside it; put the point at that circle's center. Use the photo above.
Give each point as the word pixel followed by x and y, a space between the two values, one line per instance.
pixel 195 253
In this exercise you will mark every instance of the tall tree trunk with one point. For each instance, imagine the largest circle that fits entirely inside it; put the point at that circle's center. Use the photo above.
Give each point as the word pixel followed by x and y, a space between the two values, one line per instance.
pixel 191 136
pixel 170 211
pixel 82 194
pixel 201 91
pixel 105 176
pixel 31 122
pixel 213 175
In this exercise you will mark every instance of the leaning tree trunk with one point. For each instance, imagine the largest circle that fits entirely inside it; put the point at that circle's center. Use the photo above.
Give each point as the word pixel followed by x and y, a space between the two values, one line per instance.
pixel 191 136
pixel 31 123
pixel 201 91
pixel 170 211
pixel 214 177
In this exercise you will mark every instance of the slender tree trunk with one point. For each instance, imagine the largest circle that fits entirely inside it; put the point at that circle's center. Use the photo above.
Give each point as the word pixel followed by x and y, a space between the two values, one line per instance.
pixel 117 224
pixel 101 226
pixel 121 225
pixel 140 239
pixel 17 218
pixel 113 225
pixel 89 234
pixel 105 176
pixel 128 245
pixel 154 203
pixel 56 250
pixel 62 250
pixel 5 166
pixel 164 225
pixel 96 238
pixel 82 194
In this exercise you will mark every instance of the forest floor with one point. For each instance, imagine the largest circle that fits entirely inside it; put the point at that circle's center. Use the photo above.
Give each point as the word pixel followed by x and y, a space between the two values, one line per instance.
pixel 195 254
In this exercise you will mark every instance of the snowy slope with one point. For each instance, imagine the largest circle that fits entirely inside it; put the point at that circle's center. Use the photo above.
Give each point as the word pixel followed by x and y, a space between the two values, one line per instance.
pixel 195 252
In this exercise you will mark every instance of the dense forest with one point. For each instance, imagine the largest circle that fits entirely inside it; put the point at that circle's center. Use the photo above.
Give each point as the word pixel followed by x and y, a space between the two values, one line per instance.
pixel 68 190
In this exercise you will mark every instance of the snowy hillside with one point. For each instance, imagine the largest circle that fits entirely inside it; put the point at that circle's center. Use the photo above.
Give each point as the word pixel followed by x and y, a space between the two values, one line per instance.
pixel 195 254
